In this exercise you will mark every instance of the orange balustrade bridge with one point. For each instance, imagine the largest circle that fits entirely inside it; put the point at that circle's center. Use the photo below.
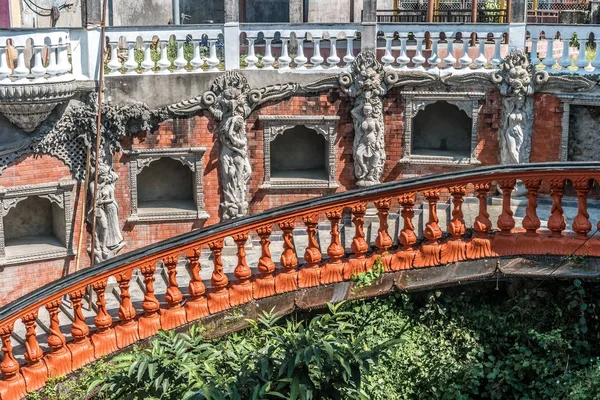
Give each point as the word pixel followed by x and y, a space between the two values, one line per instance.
pixel 466 253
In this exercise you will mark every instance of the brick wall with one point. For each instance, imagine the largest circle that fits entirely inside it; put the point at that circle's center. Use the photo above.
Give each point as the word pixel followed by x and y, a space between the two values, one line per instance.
pixel 16 280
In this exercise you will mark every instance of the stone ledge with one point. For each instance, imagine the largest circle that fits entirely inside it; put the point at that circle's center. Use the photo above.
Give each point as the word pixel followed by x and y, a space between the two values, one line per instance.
pixel 168 216
pixel 439 160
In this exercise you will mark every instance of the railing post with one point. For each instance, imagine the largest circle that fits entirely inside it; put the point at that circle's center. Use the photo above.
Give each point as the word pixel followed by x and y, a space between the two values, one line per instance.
pixel 368 37
pixel 85 53
pixel 517 14
pixel 231 34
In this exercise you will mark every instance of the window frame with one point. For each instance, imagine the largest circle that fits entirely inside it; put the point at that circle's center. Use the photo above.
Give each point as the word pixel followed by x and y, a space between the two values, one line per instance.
pixel 275 125
pixel 190 157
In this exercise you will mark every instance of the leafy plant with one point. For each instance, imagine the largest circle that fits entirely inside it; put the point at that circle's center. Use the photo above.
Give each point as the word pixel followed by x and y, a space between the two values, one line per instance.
pixel 368 278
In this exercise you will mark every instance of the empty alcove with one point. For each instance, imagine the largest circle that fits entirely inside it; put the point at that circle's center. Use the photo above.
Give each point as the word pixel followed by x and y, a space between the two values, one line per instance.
pixel 442 129
pixel 165 185
pixel 33 226
pixel 299 153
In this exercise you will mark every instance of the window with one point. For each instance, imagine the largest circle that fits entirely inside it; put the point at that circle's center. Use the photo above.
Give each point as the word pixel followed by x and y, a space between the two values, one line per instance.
pixel 36 222
pixel 166 184
pixel 580 123
pixel 299 151
pixel 440 128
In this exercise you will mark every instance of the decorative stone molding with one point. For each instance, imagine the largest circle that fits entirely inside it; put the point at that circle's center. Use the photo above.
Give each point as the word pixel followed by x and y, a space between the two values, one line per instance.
pixel 366 85
pixel 469 102
pixel 275 125
pixel 191 157
pixel 230 101
pixel 27 105
pixel 60 193
pixel 579 100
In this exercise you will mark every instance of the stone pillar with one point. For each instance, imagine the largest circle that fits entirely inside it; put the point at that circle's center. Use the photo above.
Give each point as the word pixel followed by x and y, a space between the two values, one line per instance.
pixel 369 26
pixel 517 18
pixel 91 12
pixel 231 34
pixel 296 11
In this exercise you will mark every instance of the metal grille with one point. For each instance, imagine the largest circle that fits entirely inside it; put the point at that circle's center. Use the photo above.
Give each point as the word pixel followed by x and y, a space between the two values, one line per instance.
pixel 558 5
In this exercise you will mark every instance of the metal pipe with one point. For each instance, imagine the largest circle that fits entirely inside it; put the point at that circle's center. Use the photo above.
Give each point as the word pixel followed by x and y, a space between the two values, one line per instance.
pixel 86 183
pixel 176 12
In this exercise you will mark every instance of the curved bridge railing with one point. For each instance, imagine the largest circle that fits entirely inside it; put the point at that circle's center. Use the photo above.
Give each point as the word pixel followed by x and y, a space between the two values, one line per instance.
pixel 459 243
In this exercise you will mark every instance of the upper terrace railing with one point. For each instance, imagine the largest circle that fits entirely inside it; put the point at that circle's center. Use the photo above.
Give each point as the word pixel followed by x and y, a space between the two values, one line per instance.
pixel 44 308
pixel 35 56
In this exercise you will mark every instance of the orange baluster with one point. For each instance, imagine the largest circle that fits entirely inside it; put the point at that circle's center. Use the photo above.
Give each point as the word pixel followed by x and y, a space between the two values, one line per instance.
pixel 506 222
pixel 264 285
pixel 581 223
pixel 531 222
pixel 196 306
pixel 333 269
pixel 174 315
pixel 456 249
pixel 12 387
pixel 149 323
pixel 35 372
pixel 127 330
pixel 81 347
pixel 404 258
pixel 359 246
pixel 480 246
pixel 383 241
pixel 557 222
pixel 310 275
pixel 218 298
pixel 58 361
pixel 287 280
pixel 429 253
pixel 104 339
pixel 241 291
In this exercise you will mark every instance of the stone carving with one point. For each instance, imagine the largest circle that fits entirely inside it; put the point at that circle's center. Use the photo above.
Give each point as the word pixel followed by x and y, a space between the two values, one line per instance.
pixel 365 84
pixel 516 122
pixel 230 101
pixel 108 239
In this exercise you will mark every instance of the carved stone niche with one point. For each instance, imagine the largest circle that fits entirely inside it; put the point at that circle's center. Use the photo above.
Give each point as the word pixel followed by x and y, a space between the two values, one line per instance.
pixel 299 151
pixel 166 184
pixel 580 128
pixel 36 222
pixel 441 127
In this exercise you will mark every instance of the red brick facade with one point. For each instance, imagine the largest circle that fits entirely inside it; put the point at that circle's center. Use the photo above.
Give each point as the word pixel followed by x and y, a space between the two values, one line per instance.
pixel 16 280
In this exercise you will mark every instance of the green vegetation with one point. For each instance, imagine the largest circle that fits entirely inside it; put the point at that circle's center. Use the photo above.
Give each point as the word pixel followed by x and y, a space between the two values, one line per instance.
pixel 368 278
pixel 526 341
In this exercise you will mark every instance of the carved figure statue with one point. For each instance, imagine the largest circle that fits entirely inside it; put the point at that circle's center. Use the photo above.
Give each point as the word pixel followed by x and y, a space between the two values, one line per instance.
pixel 231 101
pixel 365 84
pixel 516 124
pixel 108 239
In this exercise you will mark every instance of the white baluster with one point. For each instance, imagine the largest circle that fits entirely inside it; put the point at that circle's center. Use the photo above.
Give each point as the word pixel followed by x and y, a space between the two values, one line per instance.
pixel 196 61
pixel 21 71
pixel 130 63
pixel 496 58
pixel 285 59
pixel 180 62
pixel 480 61
pixel 38 70
pixel 418 59
pixel 164 62
pixel 349 57
pixel 114 65
pixel 300 60
pixel 582 62
pixel 5 72
pixel 534 56
pixel 596 61
pixel 268 59
pixel 449 60
pixel 333 60
pixel 52 69
pixel 251 58
pixel 549 60
pixel 388 58
pixel 434 59
pixel 317 59
pixel 148 64
pixel 213 60
pixel 465 61
pixel 403 59
pixel 565 60
pixel 64 66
